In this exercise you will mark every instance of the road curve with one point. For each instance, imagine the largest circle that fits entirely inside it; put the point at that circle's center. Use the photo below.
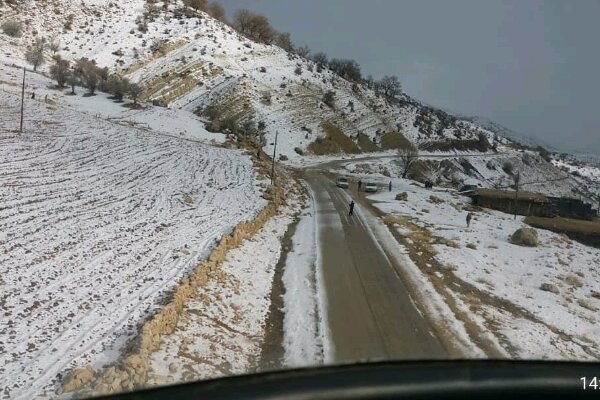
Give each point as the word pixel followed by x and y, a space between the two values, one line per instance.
pixel 370 314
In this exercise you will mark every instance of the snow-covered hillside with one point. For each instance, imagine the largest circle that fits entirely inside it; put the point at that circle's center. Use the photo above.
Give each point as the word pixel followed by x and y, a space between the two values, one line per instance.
pixel 194 62
pixel 99 221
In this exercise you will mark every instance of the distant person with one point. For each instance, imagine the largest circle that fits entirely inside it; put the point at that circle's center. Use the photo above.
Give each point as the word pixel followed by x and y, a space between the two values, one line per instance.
pixel 390 186
pixel 359 184
pixel 469 217
pixel 33 95
pixel 351 213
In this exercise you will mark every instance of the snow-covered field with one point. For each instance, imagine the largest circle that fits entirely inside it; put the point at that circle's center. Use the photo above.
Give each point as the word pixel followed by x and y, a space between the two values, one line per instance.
pixel 222 328
pixel 526 321
pixel 97 222
pixel 170 122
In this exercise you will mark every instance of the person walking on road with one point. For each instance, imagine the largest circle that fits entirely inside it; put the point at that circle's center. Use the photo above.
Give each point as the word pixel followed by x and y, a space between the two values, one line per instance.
pixel 359 184
pixel 469 217
pixel 390 186
pixel 351 213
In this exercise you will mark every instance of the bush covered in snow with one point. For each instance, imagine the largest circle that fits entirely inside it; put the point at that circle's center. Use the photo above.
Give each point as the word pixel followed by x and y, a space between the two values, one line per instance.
pixel 12 28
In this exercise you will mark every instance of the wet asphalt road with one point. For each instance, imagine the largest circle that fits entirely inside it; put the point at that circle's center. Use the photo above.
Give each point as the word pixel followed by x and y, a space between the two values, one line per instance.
pixel 370 313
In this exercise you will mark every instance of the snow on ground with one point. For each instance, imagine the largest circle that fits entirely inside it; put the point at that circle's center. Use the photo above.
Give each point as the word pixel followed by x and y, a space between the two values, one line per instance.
pixel 302 323
pixel 97 221
pixel 222 328
pixel 172 122
pixel 588 171
pixel 537 323
pixel 191 62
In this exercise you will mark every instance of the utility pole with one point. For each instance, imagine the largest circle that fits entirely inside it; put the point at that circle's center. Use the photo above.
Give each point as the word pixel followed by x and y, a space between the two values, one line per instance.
pixel 517 178
pixel 273 162
pixel 22 102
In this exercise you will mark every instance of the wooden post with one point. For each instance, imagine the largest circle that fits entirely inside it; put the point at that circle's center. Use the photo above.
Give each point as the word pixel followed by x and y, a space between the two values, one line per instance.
pixel 273 162
pixel 22 102
pixel 517 180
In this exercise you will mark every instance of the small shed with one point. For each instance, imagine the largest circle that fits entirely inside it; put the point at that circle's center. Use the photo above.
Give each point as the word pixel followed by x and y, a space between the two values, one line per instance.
pixel 525 203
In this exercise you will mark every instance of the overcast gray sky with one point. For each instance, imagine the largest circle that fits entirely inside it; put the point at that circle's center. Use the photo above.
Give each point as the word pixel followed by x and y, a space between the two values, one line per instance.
pixel 529 65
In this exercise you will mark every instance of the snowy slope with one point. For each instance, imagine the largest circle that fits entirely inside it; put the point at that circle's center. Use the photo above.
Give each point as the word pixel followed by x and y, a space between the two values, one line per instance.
pixel 190 63
pixel 98 221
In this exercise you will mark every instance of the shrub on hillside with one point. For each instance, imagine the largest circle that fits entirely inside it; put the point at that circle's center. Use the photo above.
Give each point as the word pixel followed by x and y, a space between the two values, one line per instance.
pixel 389 86
pixel 69 22
pixel 254 26
pixel 545 154
pixel 484 144
pixel 303 51
pixel 59 71
pixel 284 41
pixel 118 86
pixel 347 69
pixel 35 54
pixel 508 167
pixel 91 75
pixel 135 90
pixel 329 98
pixel 195 4
pixel 216 11
pixel 12 28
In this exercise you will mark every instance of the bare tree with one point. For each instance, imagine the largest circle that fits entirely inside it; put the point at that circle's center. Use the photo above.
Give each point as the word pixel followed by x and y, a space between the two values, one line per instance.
pixel 320 58
pixel 59 71
pixel 118 86
pixel 370 82
pixel 262 30
pixel 242 20
pixel 195 4
pixel 407 157
pixel 216 11
pixel 390 86
pixel 347 69
pixel 55 45
pixel 254 26
pixel 303 51
pixel 35 54
pixel 89 73
pixel 135 90
pixel 284 40
pixel 73 80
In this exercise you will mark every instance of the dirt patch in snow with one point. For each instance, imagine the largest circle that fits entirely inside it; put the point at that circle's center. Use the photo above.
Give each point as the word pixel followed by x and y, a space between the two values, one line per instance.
pixel 272 348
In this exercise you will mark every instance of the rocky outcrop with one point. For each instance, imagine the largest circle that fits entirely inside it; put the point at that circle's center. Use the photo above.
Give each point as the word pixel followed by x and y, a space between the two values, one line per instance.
pixel 525 237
